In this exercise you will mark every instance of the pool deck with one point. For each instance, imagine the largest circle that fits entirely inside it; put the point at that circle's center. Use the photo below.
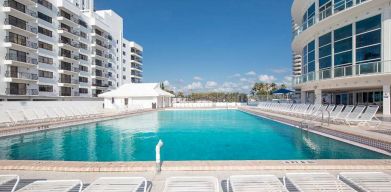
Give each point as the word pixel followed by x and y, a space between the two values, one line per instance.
pixel 30 171
pixel 367 137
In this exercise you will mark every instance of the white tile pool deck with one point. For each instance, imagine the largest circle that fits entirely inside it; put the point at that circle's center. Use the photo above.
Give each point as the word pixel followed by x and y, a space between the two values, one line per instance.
pixel 89 171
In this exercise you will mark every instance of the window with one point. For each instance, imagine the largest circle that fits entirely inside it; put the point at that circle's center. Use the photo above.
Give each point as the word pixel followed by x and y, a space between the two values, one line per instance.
pixel 83 57
pixel 309 17
pixel 46 46
pixel 123 69
pixel 16 38
pixel 83 23
pixel 368 40
pixel 17 55
pixel 17 22
pixel 112 100
pixel 325 8
pixel 124 77
pixel 45 60
pixel 83 46
pixel 44 31
pixel 340 5
pixel 83 68
pixel 45 4
pixel 44 17
pixel 325 51
pixel 343 46
pixel 45 74
pixel 82 34
pixel 45 88
pixel 83 79
pixel 83 90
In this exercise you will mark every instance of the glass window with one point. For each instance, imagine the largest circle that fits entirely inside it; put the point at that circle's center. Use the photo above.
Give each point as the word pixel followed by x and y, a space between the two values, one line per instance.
pixel 325 62
pixel 325 51
pixel 368 24
pixel 343 33
pixel 343 45
pixel 325 39
pixel 368 53
pixel 343 58
pixel 370 38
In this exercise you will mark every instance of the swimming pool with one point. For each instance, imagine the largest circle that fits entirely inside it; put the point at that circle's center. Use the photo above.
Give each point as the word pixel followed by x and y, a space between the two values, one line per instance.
pixel 187 135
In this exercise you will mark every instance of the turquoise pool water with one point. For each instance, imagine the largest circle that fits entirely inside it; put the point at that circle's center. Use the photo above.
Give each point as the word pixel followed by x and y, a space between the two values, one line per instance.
pixel 187 135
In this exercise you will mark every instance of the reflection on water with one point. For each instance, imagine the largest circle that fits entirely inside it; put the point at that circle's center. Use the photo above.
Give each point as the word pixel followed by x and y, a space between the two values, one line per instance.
pixel 187 135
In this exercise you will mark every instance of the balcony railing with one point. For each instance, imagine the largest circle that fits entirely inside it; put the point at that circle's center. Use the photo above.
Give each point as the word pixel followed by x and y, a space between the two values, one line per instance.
pixel 25 43
pixel 68 68
pixel 137 67
pixel 21 75
pixel 28 28
pixel 12 91
pixel 72 31
pixel 68 80
pixel 369 68
pixel 15 57
pixel 100 85
pixel 25 10
pixel 70 18
pixel 71 43
pixel 335 8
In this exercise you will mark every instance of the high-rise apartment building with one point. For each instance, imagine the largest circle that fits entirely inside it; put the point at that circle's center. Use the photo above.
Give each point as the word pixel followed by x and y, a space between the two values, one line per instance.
pixel 56 49
pixel 345 47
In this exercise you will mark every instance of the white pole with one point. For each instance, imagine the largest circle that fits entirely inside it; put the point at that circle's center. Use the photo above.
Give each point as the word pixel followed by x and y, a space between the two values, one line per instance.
pixel 158 161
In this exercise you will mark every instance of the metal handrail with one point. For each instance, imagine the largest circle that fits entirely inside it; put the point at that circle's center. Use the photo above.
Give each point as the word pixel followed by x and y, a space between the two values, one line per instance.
pixel 158 157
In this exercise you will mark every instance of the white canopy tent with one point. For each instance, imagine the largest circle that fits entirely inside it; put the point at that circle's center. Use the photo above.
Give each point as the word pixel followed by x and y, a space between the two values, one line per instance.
pixel 146 95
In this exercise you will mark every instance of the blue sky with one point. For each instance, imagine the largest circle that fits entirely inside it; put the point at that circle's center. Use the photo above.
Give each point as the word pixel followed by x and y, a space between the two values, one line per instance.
pixel 209 45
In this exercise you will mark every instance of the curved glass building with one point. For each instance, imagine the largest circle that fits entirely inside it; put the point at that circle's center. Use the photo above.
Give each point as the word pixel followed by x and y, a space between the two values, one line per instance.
pixel 345 47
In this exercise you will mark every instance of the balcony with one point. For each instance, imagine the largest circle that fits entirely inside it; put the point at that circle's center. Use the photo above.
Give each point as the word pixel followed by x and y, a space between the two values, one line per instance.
pixel 25 92
pixel 14 59
pixel 138 67
pixel 70 33
pixel 330 11
pixel 24 13
pixel 64 82
pixel 20 77
pixel 67 19
pixel 358 70
pixel 136 74
pixel 18 44
pixel 20 28
pixel 68 69
pixel 73 45
pixel 63 56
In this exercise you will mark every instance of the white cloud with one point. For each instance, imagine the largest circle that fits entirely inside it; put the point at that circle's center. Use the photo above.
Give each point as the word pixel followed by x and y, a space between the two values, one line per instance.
pixel 287 81
pixel 266 78
pixel 280 70
pixel 251 73
pixel 243 79
pixel 166 83
pixel 210 84
pixel 197 78
pixel 236 75
pixel 194 86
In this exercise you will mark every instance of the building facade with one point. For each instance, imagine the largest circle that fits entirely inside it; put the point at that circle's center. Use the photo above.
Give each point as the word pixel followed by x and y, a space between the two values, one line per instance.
pixel 57 49
pixel 345 47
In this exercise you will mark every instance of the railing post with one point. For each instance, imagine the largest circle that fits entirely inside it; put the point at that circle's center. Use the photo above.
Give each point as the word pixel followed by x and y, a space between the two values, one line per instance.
pixel 158 159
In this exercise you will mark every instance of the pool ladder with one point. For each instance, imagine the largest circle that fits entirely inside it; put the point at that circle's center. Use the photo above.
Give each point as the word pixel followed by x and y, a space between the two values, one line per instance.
pixel 306 123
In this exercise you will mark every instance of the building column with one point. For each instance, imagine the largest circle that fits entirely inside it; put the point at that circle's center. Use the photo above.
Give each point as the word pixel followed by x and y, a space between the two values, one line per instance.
pixel 318 96
pixel 386 100
pixel 303 96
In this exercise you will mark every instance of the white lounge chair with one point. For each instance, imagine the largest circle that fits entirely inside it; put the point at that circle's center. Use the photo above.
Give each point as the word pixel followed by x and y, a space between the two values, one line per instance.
pixel 343 114
pixel 17 117
pixel 315 182
pixel 369 116
pixel 191 184
pixel 354 115
pixel 5 119
pixel 254 183
pixel 118 184
pixel 52 185
pixel 367 181
pixel 5 179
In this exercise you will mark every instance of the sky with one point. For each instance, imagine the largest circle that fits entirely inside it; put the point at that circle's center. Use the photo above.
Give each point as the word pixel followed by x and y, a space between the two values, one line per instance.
pixel 209 45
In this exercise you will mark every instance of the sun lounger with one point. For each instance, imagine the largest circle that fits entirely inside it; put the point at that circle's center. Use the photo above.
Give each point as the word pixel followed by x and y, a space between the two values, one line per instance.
pixel 6 179
pixel 367 181
pixel 367 117
pixel 5 119
pixel 343 114
pixel 191 184
pixel 118 184
pixel 354 115
pixel 53 185
pixel 315 182
pixel 254 183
